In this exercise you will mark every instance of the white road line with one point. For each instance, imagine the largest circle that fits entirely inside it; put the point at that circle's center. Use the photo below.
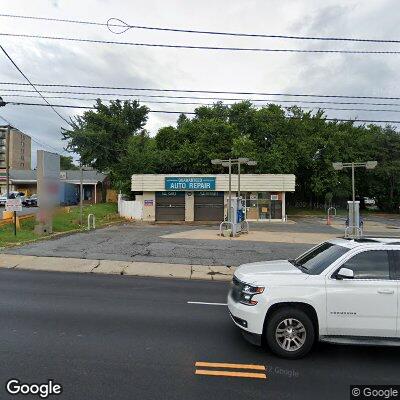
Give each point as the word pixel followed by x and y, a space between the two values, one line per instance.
pixel 207 304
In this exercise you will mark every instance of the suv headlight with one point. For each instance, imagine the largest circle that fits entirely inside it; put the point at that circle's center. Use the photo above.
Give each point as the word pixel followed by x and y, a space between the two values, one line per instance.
pixel 248 292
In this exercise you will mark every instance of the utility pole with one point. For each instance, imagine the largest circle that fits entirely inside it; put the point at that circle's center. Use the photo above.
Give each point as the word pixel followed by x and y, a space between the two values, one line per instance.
pixel 230 190
pixel 8 161
pixel 239 179
pixel 81 196
pixel 353 189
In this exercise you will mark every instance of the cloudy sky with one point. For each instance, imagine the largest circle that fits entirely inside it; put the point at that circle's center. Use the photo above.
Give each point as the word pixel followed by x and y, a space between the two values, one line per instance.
pixel 47 61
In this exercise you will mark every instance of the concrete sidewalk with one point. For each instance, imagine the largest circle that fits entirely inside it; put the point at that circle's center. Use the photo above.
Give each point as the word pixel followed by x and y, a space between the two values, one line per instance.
pixel 161 270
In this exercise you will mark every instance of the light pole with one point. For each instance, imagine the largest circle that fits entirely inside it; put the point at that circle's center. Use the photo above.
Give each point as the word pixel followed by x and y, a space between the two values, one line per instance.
pixel 228 163
pixel 339 166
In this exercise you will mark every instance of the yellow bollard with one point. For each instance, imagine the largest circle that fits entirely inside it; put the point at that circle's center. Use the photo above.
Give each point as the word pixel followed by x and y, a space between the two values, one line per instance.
pixel 18 224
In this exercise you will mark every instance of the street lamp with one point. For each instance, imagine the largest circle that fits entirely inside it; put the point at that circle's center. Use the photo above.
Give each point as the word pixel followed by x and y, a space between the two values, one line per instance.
pixel 339 166
pixel 228 163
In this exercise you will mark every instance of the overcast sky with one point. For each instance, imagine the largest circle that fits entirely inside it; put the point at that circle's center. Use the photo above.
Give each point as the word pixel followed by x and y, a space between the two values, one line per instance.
pixel 46 61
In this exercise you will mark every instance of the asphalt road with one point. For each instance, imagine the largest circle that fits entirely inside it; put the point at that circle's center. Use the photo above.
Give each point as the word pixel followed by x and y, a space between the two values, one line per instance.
pixel 115 337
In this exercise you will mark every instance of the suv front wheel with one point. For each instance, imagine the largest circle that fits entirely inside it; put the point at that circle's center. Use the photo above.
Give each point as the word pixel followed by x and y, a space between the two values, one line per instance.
pixel 290 333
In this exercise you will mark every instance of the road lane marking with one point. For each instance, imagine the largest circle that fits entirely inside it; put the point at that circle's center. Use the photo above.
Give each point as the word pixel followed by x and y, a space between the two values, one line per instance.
pixel 207 304
pixel 225 369
pixel 227 365
pixel 231 373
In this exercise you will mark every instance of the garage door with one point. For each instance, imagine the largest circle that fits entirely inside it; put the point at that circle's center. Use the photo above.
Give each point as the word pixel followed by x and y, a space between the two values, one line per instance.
pixel 208 206
pixel 170 206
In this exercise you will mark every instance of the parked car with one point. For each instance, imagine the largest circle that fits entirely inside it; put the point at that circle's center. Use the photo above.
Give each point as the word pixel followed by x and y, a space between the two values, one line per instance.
pixel 3 199
pixel 12 195
pixel 31 201
pixel 342 291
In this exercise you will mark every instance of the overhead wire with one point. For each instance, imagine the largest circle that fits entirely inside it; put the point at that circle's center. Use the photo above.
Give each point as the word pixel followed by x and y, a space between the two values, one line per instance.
pixel 22 73
pixel 34 139
pixel 193 113
pixel 174 90
pixel 122 24
pixel 210 104
pixel 194 47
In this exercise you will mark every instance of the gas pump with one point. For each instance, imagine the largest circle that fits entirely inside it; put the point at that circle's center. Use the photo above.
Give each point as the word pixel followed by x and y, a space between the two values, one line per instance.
pixel 238 223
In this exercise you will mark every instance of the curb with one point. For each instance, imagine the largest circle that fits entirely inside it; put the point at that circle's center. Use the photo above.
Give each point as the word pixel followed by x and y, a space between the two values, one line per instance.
pixel 111 267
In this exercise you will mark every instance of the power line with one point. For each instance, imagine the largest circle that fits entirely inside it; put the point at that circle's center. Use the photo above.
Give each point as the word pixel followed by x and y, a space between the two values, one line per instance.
pixel 139 97
pixel 20 71
pixel 33 138
pixel 122 24
pixel 193 113
pixel 210 104
pixel 198 91
pixel 192 47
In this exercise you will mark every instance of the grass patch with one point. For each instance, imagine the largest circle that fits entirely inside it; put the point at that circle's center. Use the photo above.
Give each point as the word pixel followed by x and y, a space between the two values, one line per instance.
pixel 63 222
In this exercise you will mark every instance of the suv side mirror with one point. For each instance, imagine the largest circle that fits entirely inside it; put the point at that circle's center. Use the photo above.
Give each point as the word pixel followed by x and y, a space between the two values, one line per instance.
pixel 345 273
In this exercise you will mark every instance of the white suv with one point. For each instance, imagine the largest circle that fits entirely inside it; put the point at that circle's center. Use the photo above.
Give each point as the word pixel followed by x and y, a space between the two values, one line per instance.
pixel 341 291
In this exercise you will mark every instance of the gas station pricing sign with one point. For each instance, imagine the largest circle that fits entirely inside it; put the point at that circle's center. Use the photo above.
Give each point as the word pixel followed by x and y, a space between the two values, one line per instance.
pixel 189 183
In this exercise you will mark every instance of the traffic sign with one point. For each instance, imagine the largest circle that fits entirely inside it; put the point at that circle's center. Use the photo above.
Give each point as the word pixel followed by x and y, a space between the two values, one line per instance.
pixel 13 205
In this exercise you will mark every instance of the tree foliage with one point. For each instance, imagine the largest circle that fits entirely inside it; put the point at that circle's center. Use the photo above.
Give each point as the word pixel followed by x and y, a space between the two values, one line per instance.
pixel 291 140
pixel 67 163
pixel 103 137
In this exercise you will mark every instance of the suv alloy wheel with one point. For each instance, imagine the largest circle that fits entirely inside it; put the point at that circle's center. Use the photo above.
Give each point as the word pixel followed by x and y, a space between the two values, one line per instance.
pixel 290 333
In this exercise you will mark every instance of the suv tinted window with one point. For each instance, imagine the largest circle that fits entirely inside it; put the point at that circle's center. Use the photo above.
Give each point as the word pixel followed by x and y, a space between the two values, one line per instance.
pixel 395 260
pixel 373 264
pixel 318 259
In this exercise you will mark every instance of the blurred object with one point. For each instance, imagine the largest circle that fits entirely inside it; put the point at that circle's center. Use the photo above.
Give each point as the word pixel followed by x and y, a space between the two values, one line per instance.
pixel 48 189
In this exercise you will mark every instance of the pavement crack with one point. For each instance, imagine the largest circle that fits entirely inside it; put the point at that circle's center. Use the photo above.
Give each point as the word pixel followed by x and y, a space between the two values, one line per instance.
pixel 96 266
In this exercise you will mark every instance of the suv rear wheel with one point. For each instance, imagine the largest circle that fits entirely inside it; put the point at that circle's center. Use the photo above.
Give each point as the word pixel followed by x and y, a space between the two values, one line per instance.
pixel 290 333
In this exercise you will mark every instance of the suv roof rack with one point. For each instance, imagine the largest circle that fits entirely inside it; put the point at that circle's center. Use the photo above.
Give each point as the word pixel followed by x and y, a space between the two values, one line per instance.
pixel 362 240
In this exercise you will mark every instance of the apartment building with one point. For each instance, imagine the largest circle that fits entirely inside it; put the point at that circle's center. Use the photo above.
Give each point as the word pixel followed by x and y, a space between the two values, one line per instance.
pixel 19 152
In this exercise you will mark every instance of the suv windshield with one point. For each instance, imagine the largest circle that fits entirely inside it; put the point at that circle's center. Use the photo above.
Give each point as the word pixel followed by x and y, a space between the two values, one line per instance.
pixel 318 259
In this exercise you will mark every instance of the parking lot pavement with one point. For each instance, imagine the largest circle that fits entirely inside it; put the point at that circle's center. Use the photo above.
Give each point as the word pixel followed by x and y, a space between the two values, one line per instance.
pixel 189 244
pixel 113 337
pixel 168 243
pixel 144 242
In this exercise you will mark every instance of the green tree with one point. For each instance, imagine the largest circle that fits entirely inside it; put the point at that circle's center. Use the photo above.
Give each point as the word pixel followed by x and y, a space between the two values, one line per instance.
pixel 100 136
pixel 281 140
pixel 67 163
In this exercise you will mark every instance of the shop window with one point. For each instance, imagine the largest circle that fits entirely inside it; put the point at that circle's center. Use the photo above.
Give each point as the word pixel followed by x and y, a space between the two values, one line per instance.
pixel 262 206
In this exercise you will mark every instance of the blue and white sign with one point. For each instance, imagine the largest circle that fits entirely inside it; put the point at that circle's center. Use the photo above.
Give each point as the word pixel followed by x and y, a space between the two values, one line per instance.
pixel 190 183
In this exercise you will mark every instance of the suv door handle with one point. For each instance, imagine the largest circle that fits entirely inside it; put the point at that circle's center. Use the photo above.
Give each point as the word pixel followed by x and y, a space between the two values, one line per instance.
pixel 385 291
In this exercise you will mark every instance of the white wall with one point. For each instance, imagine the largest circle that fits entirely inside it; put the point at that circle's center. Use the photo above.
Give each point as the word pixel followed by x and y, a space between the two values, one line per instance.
pixel 130 209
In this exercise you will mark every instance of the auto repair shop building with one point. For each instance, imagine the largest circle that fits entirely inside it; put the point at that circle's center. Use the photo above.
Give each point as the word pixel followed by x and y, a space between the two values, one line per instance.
pixel 204 197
